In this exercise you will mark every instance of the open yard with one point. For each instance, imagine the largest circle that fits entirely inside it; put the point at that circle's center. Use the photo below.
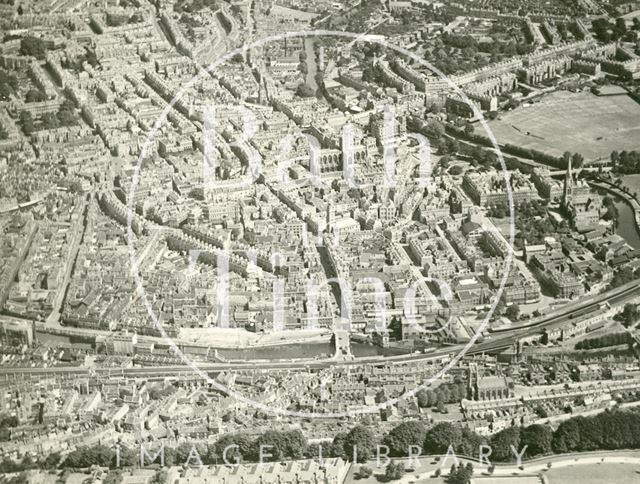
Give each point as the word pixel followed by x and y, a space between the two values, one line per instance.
pixel 576 122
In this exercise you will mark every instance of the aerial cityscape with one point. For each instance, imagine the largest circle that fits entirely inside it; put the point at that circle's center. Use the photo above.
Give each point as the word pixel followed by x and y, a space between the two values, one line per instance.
pixel 319 241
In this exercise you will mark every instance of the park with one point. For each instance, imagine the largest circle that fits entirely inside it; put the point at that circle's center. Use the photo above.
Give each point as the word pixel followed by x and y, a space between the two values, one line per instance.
pixel 572 121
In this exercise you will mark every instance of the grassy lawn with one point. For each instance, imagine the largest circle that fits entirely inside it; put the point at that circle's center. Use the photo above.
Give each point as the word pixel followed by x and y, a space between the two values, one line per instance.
pixel 576 122
pixel 595 474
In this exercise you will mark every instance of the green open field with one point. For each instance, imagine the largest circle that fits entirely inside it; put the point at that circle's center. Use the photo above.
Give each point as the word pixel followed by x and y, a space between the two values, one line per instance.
pixel 577 122
pixel 595 474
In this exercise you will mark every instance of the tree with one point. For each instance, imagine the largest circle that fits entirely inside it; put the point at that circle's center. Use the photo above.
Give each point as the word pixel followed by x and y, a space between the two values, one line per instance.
pixel 67 118
pixel 402 437
pixel 567 438
pixel 541 412
pixel 615 157
pixel 337 446
pixel 426 398
pixel 189 453
pixel 160 477
pixel 113 476
pixel 577 160
pixel 453 146
pixel 243 450
pixel 99 455
pixel 513 312
pixel 537 438
pixel 28 124
pixel 394 470
pixel 364 472
pixel 50 121
pixel 5 91
pixel 434 128
pixel 469 129
pixel 502 441
pixel 51 461
pixel 91 57
pixel 305 90
pixel 32 46
pixel 434 108
pixel 34 95
pixel 456 170
pixel 136 18
pixel 629 314
pixel 361 443
pixel 461 474
pixel 441 436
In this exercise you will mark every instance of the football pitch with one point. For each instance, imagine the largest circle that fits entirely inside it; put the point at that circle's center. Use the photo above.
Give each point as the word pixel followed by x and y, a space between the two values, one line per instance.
pixel 577 122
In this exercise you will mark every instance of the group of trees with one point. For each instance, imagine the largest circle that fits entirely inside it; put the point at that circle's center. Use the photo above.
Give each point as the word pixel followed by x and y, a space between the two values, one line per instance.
pixel 7 422
pixel 454 52
pixel 629 315
pixel 33 46
pixel 534 155
pixel 623 276
pixel 193 6
pixel 609 430
pixel 611 339
pixel 531 219
pixel 305 90
pixel 8 84
pixel 401 437
pixel 606 31
pixel 49 461
pixel 512 312
pixel 626 162
pixel 443 394
pixel 500 210
pixel 285 445
pixel 434 129
pixel 35 95
pixel 617 429
pixel 536 438
pixel 394 471
pixel 461 474
pixel 576 159
pixel 66 116
pixel 470 45
pixel 612 210
pixel 443 435
pixel 28 123
pixel 533 224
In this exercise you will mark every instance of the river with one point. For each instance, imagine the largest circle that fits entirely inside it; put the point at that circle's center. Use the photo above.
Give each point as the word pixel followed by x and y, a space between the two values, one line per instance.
pixel 626 224
pixel 311 63
pixel 303 350
pixel 276 352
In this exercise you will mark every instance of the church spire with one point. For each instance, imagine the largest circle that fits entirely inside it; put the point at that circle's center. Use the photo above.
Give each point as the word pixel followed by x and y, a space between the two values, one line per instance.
pixel 567 196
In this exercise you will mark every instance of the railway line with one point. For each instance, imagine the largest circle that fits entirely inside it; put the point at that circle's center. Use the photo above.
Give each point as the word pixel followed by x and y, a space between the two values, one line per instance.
pixel 498 341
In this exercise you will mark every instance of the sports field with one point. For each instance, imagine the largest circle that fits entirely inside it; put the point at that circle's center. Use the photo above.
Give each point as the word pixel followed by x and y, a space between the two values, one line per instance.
pixel 577 122
pixel 595 474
